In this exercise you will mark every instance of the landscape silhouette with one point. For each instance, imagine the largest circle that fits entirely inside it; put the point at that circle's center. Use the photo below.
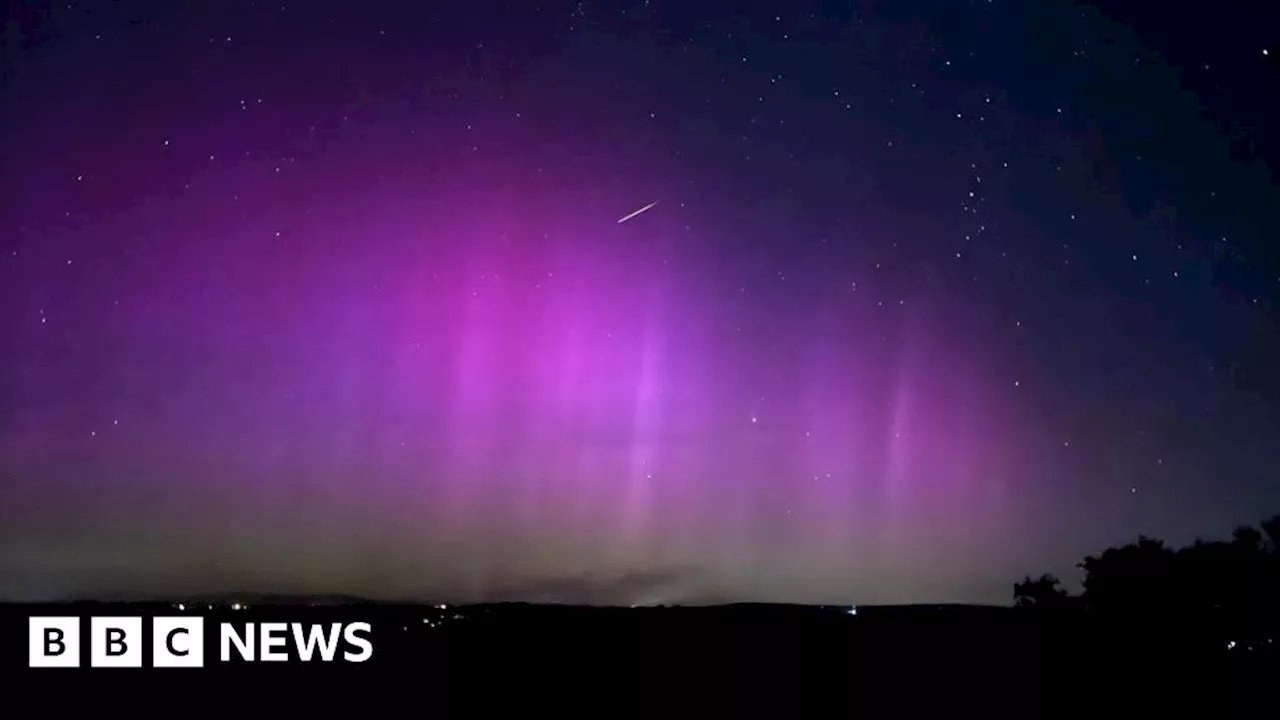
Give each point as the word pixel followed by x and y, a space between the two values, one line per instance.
pixel 1238 578
pixel 1152 627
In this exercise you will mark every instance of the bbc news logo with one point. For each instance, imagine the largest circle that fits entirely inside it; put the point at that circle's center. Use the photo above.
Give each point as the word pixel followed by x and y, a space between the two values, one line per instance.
pixel 179 642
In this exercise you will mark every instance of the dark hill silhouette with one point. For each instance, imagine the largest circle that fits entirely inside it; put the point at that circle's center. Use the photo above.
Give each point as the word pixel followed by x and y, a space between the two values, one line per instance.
pixel 1155 625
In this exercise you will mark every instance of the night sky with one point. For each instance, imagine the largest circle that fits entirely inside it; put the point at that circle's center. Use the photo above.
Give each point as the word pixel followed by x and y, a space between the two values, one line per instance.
pixel 334 297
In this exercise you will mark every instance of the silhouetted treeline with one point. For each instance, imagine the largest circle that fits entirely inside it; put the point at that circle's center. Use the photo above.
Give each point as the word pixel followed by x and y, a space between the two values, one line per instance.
pixel 1239 577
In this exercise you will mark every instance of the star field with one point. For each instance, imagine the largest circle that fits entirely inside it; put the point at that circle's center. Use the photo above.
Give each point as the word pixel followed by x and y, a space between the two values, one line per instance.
pixel 336 299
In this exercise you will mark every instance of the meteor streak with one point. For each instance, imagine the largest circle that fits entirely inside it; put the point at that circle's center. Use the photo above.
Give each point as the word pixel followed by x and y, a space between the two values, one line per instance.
pixel 646 207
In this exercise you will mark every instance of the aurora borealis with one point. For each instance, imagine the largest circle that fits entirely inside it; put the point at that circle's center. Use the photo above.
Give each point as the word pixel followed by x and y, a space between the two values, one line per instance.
pixel 339 302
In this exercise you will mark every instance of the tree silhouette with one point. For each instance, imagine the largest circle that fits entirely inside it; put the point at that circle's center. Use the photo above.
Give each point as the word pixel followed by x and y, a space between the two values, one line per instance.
pixel 1042 592
pixel 1249 538
pixel 1154 617
pixel 1129 577
pixel 1271 529
pixel 1239 577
